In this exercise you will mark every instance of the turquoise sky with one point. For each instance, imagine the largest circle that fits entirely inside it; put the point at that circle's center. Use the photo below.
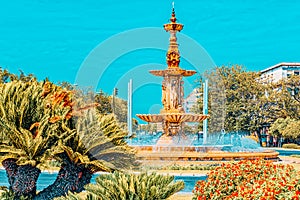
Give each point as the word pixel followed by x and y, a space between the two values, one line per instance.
pixel 53 38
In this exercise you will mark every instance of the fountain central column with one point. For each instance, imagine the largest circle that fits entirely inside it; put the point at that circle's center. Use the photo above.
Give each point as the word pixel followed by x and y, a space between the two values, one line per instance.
pixel 172 115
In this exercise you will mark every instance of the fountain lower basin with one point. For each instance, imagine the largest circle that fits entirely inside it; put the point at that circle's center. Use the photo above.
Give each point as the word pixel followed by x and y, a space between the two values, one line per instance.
pixel 198 153
pixel 168 148
pixel 199 156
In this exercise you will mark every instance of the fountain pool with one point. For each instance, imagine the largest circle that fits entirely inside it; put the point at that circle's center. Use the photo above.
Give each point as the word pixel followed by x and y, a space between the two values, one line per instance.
pixel 221 147
pixel 46 179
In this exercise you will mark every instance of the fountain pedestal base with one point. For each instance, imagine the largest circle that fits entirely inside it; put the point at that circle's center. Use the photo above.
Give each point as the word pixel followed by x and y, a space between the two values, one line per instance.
pixel 198 153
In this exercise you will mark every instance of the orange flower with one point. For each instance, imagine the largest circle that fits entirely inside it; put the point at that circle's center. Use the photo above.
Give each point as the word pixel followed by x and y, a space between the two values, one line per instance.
pixel 54 119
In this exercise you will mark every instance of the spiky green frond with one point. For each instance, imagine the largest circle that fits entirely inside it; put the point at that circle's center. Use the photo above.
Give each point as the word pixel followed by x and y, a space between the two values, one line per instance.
pixel 119 186
pixel 25 113
pixel 75 196
pixel 99 143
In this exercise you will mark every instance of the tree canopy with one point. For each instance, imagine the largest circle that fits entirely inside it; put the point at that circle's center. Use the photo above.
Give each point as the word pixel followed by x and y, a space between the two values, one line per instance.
pixel 238 101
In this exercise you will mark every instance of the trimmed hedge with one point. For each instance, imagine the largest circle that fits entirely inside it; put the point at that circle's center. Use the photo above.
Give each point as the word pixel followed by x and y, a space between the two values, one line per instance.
pixel 191 167
pixel 291 146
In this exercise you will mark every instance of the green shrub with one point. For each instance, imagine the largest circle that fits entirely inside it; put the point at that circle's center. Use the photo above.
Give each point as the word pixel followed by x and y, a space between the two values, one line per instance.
pixel 75 196
pixel 6 194
pixel 291 146
pixel 295 156
pixel 54 163
pixel 190 167
pixel 120 186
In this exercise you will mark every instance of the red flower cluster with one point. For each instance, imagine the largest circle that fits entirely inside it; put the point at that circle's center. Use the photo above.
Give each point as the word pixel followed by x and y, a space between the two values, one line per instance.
pixel 250 179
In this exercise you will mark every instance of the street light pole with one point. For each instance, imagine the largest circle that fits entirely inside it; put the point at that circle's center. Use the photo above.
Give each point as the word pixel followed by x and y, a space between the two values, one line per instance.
pixel 205 110
pixel 113 101
pixel 115 93
pixel 129 107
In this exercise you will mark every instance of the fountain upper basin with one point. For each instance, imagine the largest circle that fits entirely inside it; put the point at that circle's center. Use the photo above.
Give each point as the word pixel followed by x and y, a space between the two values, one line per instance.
pixel 172 117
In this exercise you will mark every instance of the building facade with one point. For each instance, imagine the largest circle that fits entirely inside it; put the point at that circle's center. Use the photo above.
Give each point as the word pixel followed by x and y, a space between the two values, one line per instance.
pixel 279 71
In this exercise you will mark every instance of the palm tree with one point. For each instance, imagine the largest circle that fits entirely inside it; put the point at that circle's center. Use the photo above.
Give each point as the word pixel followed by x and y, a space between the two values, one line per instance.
pixel 96 143
pixel 28 134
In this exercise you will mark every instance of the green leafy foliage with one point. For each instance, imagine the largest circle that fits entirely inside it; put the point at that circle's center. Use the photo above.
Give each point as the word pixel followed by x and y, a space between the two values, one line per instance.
pixel 292 130
pixel 191 167
pixel 288 128
pixel 132 186
pixel 244 98
pixel 41 122
pixel 121 186
pixel 241 102
pixel 28 135
pixel 96 142
pixel 31 127
pixel 291 146
pixel 279 126
pixel 108 104
pixel 6 76
pixel 104 103
pixel 235 97
pixel 6 194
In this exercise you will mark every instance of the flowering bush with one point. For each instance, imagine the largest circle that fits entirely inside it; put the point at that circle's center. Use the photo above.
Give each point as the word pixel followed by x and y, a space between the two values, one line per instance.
pixel 250 179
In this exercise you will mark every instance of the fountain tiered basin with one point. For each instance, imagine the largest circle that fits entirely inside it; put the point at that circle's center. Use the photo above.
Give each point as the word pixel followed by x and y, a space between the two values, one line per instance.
pixel 168 148
pixel 172 117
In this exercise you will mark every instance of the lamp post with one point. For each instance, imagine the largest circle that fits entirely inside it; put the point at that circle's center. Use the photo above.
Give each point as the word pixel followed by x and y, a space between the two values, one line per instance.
pixel 129 107
pixel 205 110
pixel 115 93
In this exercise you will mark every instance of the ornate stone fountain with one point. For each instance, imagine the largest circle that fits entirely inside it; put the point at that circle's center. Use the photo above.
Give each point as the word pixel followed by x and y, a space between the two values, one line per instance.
pixel 172 116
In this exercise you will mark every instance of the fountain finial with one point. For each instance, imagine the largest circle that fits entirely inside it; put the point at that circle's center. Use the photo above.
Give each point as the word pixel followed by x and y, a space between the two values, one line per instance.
pixel 173 25
pixel 173 55
pixel 173 18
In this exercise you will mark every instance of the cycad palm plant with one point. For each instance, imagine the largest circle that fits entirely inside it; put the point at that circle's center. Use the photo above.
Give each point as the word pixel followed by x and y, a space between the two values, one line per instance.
pixel 95 143
pixel 142 186
pixel 40 121
pixel 120 186
pixel 27 133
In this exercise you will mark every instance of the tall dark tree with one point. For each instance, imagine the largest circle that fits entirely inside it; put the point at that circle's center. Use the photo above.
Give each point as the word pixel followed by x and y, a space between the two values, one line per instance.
pixel 287 97
pixel 293 86
pixel 113 104
pixel 236 99
pixel 104 103
pixel 5 76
